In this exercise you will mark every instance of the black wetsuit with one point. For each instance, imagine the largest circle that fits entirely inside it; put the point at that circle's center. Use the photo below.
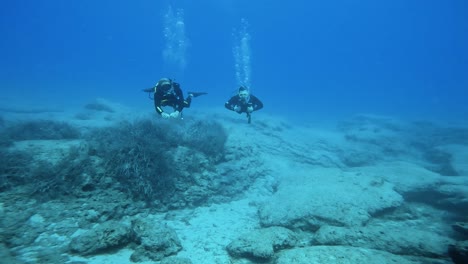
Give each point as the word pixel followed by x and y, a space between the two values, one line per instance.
pixel 172 97
pixel 252 101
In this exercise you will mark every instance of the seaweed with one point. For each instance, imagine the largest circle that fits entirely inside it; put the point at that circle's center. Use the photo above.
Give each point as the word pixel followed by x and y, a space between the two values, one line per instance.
pixel 14 170
pixel 72 175
pixel 136 155
pixel 140 155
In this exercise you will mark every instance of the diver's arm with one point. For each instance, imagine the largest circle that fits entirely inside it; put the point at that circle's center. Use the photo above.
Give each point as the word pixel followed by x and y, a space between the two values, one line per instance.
pixel 231 103
pixel 256 103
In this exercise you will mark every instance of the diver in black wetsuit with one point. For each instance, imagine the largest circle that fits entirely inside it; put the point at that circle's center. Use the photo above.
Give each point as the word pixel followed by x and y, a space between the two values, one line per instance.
pixel 169 93
pixel 244 102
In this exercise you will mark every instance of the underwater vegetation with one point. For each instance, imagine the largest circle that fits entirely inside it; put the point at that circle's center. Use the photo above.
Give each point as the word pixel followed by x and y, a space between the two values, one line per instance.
pixel 146 159
pixel 142 155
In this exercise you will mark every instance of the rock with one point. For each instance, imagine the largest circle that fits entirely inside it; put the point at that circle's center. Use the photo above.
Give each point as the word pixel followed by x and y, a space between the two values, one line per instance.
pixel 155 241
pixel 36 221
pixel 418 184
pixel 324 196
pixel 407 177
pixel 393 237
pixel 24 235
pixel 176 260
pixel 344 255
pixel 108 235
pixel 262 243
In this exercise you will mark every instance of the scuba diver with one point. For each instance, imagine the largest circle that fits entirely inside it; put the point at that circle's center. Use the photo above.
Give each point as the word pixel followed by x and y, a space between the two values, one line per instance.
pixel 168 93
pixel 244 102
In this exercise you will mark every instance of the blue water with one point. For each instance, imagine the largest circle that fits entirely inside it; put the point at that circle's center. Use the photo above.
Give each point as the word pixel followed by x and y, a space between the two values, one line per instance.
pixel 306 58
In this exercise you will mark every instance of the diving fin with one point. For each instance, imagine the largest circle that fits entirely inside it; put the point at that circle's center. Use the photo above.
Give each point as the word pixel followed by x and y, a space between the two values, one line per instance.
pixel 196 94
pixel 149 90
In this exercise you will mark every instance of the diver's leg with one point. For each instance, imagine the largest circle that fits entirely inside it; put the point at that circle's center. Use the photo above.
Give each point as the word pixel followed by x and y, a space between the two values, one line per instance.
pixel 188 101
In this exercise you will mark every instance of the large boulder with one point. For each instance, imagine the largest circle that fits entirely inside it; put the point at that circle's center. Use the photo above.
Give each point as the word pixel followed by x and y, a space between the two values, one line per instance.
pixel 394 237
pixel 315 197
pixel 406 177
pixel 418 184
pixel 106 236
pixel 155 241
pixel 262 243
pixel 176 260
pixel 345 255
